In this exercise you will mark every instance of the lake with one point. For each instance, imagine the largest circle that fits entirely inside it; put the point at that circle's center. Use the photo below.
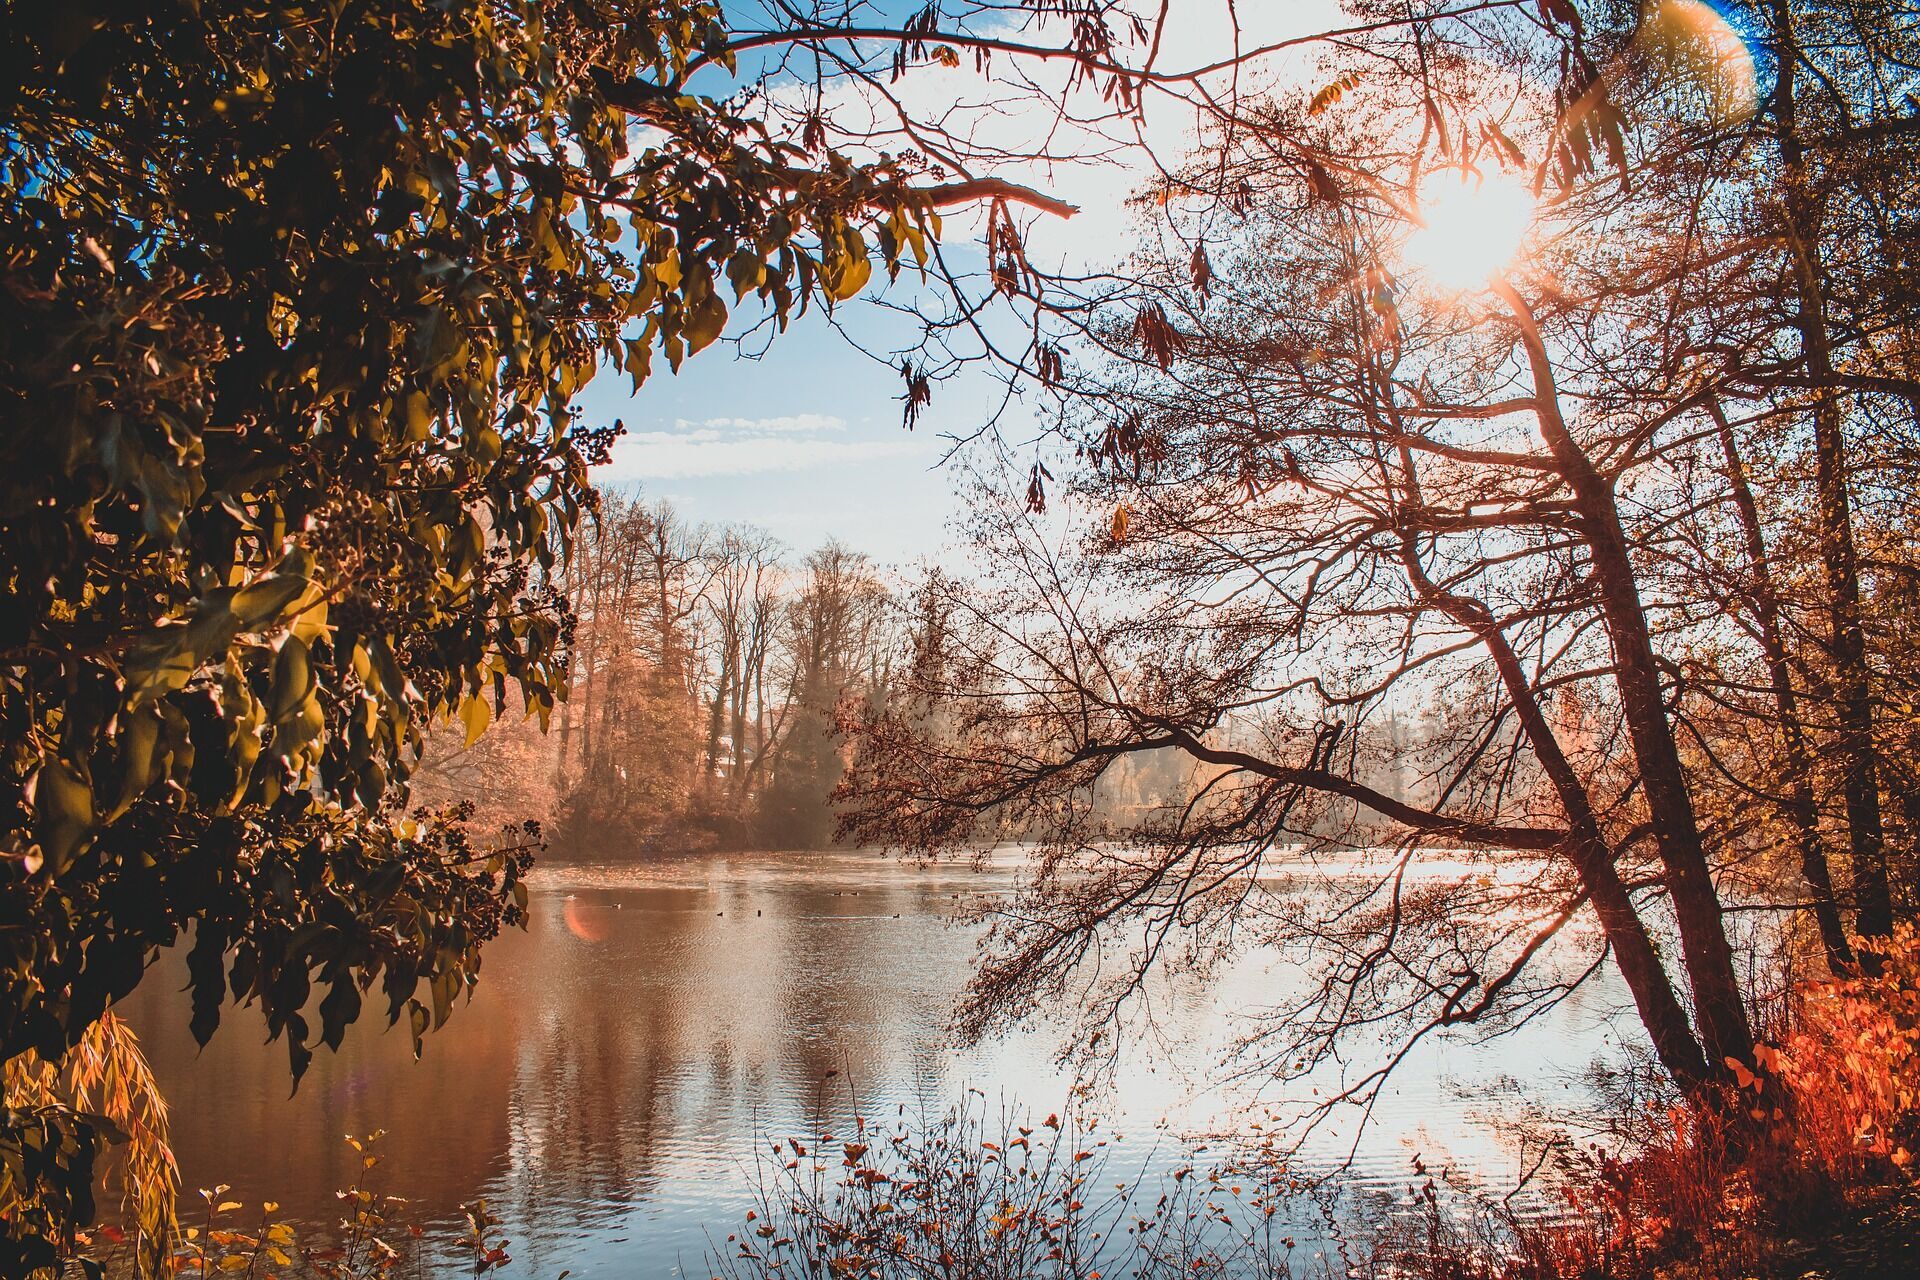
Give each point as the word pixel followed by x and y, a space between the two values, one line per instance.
pixel 605 1088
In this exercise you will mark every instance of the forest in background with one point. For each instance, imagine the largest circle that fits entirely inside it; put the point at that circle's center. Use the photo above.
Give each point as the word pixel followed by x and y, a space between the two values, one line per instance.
pixel 716 675
pixel 709 664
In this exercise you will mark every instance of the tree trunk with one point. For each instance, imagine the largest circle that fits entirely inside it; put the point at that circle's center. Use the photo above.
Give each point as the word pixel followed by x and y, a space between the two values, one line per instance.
pixel 1654 998
pixel 1839 557
pixel 716 715
pixel 1724 1031
pixel 736 771
pixel 575 691
pixel 1800 804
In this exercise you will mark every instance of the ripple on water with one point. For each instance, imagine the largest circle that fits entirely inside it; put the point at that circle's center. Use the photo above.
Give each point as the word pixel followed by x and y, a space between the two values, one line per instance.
pixel 607 1085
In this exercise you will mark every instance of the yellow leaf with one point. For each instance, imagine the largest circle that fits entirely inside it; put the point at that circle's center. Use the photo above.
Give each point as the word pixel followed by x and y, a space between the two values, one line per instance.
pixel 850 273
pixel 476 714
pixel 310 616
pixel 852 278
pixel 1121 518
pixel 228 1206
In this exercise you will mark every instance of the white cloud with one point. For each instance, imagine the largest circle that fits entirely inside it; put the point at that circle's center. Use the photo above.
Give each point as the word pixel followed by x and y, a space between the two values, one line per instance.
pixel 801 423
pixel 746 446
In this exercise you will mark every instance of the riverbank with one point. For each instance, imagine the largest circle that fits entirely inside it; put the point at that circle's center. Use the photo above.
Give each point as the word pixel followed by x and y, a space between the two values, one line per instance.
pixel 1803 1169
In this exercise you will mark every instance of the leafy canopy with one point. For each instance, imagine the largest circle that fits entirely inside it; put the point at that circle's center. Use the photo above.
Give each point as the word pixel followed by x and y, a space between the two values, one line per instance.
pixel 299 295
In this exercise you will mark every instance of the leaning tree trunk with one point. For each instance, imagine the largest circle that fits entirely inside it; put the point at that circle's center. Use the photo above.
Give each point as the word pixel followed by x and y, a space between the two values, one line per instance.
pixel 1718 1003
pixel 1654 998
pixel 1674 1042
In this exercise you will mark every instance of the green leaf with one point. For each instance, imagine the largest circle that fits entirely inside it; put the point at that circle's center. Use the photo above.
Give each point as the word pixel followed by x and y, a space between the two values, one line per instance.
pixel 293 680
pixel 417 1023
pixel 706 321
pixel 445 985
pixel 339 1010
pixel 416 416
pixel 168 657
pixel 484 445
pixel 309 616
pixel 139 765
pixel 744 271
pixel 63 812
pixel 260 604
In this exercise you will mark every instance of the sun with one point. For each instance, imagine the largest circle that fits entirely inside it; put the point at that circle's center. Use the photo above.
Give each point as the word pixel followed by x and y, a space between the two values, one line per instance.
pixel 1471 226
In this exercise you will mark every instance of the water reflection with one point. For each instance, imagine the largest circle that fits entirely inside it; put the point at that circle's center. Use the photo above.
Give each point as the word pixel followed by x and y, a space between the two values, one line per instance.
pixel 604 1087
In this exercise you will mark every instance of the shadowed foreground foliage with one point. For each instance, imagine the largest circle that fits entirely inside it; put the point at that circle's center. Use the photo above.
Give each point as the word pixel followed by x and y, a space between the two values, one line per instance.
pixel 298 298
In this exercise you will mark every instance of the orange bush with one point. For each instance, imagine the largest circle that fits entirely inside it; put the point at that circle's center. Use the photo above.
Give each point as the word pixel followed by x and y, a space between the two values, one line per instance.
pixel 1817 1128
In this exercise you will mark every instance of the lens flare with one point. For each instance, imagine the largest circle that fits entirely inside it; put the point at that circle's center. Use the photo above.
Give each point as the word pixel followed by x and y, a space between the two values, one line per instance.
pixel 584 921
pixel 1699 55
pixel 1471 226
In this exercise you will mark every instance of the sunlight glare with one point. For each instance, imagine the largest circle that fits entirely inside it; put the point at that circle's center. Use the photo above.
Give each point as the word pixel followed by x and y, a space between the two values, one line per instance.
pixel 1471 226
pixel 1696 49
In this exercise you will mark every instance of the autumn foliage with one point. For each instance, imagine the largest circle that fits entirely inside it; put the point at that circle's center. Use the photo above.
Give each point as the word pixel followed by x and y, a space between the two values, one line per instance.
pixel 1805 1167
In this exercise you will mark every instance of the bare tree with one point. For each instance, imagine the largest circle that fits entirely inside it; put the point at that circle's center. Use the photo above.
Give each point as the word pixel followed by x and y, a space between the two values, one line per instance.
pixel 740 566
pixel 1337 489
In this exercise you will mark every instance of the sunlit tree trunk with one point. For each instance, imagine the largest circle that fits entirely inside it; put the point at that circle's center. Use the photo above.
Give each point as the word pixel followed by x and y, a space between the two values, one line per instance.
pixel 736 768
pixel 717 710
pixel 1718 1003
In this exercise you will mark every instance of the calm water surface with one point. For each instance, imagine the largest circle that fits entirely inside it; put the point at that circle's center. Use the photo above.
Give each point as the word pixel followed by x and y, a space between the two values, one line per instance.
pixel 605 1087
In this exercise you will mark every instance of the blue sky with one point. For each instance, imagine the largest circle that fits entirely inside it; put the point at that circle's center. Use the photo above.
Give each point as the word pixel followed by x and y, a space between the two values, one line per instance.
pixel 804 441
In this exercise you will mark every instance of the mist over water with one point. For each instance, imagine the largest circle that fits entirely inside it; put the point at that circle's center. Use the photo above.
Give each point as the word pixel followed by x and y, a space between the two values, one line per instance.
pixel 606 1087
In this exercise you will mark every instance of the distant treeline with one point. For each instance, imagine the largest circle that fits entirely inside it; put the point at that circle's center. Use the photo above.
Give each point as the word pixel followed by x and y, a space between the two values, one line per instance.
pixel 711 670
pixel 707 668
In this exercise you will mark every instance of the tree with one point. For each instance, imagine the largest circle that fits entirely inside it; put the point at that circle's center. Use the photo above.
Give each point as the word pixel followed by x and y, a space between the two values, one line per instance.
pixel 833 629
pixel 1840 136
pixel 742 567
pixel 1332 490
pixel 635 584
pixel 299 299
